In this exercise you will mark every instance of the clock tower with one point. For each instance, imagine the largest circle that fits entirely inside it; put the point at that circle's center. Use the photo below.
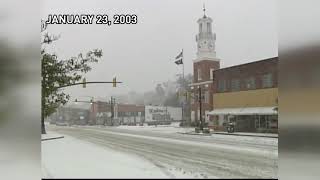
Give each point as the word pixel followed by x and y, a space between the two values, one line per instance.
pixel 205 39
pixel 203 66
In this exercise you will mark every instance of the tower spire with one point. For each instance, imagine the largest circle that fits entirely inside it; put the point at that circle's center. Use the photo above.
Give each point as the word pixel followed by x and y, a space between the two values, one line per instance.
pixel 204 10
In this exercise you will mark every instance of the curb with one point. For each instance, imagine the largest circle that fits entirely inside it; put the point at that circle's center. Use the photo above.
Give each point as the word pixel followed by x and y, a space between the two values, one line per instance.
pixel 246 135
pixel 229 134
pixel 52 138
pixel 195 134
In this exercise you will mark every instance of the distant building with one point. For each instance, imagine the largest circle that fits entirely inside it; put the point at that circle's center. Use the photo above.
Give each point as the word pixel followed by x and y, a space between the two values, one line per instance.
pixel 72 114
pixel 123 114
pixel 101 112
pixel 246 94
pixel 162 115
pixel 130 114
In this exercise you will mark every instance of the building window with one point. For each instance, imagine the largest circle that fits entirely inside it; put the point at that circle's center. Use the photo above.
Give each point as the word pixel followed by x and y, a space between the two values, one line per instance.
pixel 200 27
pixel 235 85
pixel 199 74
pixel 208 27
pixel 192 115
pixel 206 97
pixel 221 85
pixel 211 73
pixel 198 114
pixel 267 80
pixel 250 83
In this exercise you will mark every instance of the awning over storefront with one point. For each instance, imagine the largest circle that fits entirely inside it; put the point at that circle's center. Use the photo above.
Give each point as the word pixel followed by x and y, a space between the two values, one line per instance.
pixel 245 111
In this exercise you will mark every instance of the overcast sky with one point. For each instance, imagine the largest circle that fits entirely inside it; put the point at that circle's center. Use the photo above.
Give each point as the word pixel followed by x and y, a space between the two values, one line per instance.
pixel 142 55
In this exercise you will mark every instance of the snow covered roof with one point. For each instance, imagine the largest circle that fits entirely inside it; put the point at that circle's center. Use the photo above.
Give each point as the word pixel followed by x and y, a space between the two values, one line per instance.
pixel 245 111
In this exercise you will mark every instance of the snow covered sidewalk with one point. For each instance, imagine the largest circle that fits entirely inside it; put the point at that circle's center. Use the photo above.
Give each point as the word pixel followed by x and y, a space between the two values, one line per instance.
pixel 72 158
pixel 268 135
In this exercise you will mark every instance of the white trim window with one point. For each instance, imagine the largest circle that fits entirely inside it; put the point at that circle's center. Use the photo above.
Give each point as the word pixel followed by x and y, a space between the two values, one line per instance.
pixel 211 73
pixel 206 97
pixel 199 74
pixel 192 116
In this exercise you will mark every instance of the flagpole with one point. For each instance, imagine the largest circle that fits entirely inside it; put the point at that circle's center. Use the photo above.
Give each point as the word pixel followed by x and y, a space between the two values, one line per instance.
pixel 183 103
pixel 182 67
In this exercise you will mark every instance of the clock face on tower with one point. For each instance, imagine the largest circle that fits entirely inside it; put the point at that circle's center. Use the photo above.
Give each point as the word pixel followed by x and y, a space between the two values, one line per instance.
pixel 206 45
pixel 211 46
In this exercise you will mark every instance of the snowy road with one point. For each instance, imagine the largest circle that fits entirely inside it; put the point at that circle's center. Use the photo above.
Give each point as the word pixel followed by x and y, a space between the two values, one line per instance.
pixel 214 156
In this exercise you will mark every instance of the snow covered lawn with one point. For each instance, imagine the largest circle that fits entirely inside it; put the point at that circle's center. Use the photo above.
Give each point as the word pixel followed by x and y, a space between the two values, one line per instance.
pixel 72 158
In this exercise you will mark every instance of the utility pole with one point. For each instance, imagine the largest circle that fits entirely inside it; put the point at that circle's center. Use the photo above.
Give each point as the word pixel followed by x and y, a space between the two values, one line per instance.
pixel 93 116
pixel 112 103
pixel 200 108
pixel 187 109
pixel 111 106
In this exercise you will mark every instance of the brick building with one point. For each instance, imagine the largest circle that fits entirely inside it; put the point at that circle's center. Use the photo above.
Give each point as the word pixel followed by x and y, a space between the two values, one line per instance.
pixel 130 114
pixel 246 94
pixel 101 112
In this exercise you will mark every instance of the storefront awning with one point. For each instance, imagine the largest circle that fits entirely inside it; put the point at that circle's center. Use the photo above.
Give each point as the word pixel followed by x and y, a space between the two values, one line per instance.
pixel 245 111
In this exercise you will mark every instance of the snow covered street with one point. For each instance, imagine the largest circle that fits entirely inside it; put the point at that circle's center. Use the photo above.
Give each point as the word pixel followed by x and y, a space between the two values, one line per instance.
pixel 155 152
pixel 73 158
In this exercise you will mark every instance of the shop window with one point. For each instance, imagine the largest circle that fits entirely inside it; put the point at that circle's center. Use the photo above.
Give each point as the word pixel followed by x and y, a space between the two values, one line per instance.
pixel 257 123
pixel 263 121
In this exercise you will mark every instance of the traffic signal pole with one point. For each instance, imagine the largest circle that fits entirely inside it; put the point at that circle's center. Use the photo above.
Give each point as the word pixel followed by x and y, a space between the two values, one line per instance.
pixel 93 82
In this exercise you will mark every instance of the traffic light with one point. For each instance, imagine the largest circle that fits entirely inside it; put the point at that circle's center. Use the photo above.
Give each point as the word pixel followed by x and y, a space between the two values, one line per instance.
pixel 84 83
pixel 114 82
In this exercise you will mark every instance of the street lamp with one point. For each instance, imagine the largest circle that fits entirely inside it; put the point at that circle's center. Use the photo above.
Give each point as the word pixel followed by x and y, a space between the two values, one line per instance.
pixel 199 98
